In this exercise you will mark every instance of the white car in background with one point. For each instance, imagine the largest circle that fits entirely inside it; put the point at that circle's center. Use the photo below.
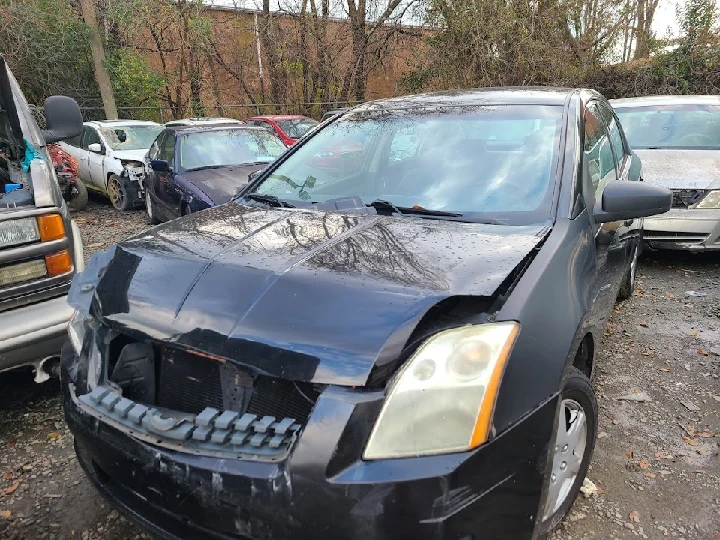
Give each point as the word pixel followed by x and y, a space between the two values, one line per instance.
pixel 678 140
pixel 206 120
pixel 110 156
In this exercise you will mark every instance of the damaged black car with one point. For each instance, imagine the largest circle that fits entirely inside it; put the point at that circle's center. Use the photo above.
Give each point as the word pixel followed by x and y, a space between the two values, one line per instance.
pixel 399 345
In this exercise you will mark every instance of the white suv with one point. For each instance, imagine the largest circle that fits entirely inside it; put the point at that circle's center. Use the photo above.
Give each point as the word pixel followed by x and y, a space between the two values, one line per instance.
pixel 110 155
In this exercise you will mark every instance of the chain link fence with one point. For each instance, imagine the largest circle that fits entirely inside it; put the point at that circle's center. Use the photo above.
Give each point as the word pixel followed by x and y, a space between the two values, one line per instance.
pixel 239 111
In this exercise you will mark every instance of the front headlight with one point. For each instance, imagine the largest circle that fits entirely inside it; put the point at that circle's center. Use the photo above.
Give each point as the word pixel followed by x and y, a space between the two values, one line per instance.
pixel 15 232
pixel 76 331
pixel 711 200
pixel 443 398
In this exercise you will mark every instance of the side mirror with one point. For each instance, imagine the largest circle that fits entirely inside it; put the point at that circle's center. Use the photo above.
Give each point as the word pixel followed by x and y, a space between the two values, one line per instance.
pixel 160 165
pixel 96 148
pixel 62 118
pixel 625 199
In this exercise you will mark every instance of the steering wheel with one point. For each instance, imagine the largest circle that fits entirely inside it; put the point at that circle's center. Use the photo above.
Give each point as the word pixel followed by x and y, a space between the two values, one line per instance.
pixel 696 139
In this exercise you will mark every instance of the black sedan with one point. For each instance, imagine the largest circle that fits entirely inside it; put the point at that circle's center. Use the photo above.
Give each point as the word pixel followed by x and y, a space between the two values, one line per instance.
pixel 190 168
pixel 400 346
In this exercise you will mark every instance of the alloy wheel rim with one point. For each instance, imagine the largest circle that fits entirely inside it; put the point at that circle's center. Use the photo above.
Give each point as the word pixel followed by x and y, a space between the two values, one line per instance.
pixel 114 192
pixel 568 454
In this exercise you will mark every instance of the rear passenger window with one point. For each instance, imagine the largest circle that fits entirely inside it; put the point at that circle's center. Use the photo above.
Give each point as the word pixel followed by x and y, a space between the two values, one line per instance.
pixel 598 152
pixel 166 145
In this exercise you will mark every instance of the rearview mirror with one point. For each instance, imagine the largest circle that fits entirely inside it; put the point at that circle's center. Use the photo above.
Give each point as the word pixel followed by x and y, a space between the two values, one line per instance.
pixel 96 148
pixel 624 199
pixel 160 165
pixel 62 118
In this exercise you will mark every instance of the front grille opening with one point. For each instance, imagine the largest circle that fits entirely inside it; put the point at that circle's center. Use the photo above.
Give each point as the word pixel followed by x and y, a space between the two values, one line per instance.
pixel 185 382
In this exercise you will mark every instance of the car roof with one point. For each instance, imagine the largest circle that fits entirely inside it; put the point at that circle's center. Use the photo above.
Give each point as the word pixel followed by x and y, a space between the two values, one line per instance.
pixel 481 96
pixel 665 100
pixel 204 120
pixel 109 123
pixel 278 117
pixel 214 127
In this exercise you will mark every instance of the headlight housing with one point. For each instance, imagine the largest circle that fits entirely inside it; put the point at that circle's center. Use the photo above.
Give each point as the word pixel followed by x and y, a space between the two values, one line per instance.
pixel 710 200
pixel 443 398
pixel 76 331
pixel 15 232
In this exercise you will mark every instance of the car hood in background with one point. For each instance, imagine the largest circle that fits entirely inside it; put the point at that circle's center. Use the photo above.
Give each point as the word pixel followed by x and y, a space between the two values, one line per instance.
pixel 220 185
pixel 130 155
pixel 681 169
pixel 303 295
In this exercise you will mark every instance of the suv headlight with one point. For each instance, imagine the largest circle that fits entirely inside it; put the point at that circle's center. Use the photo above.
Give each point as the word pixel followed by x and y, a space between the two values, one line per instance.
pixel 15 232
pixel 443 398
pixel 711 200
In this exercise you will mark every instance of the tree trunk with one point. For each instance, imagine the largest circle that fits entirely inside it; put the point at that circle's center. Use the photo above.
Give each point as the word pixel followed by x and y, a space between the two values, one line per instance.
pixel 98 55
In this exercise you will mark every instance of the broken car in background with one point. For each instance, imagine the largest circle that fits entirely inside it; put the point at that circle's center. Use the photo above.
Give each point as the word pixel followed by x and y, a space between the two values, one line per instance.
pixel 111 155
pixel 678 139
pixel 66 168
pixel 196 167
pixel 368 352
pixel 202 121
pixel 40 246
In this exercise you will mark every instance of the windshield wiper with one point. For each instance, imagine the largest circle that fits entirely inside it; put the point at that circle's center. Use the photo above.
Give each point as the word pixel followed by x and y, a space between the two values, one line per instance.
pixel 270 200
pixel 416 210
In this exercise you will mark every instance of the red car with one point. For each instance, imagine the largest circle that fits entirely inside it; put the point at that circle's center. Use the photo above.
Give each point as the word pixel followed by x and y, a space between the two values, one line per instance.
pixel 288 127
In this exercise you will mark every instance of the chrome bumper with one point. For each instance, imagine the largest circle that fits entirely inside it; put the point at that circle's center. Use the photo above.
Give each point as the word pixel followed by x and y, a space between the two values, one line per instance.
pixel 685 229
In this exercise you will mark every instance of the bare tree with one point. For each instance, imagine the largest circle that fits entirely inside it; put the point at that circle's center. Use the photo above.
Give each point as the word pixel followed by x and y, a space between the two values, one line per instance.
pixel 645 10
pixel 98 55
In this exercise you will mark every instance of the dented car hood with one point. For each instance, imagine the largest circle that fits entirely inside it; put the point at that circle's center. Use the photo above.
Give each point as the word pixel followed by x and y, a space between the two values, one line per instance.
pixel 299 294
pixel 221 185
pixel 681 169
pixel 130 155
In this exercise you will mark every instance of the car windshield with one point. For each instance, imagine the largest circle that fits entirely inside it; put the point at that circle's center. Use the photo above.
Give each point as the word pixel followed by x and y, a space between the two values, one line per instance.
pixel 130 137
pixel 297 127
pixel 671 126
pixel 228 147
pixel 487 163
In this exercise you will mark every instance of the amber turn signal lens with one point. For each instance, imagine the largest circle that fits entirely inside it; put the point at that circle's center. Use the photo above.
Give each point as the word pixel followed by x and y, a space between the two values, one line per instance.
pixel 58 263
pixel 51 227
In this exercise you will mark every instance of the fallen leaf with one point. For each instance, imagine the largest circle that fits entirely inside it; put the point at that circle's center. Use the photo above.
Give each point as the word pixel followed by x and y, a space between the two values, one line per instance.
pixel 670 295
pixel 666 370
pixel 703 352
pixel 693 334
pixel 8 476
pixel 699 471
pixel 634 516
pixel 705 434
pixel 629 454
pixel 53 435
pixel 644 464
pixel 12 488
pixel 662 455
pixel 643 323
pixel 651 474
pixel 5 513
pixel 691 442
pixel 611 325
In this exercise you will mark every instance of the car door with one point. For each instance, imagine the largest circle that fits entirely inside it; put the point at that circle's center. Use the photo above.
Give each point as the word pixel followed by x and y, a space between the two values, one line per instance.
pixel 168 193
pixel 82 155
pixel 96 160
pixel 151 179
pixel 601 169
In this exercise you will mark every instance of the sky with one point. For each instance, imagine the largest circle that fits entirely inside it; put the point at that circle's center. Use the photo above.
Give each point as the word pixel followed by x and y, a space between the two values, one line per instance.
pixel 665 18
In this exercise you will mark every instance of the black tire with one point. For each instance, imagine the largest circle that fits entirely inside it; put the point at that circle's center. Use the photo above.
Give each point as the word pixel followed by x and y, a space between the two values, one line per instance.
pixel 576 389
pixel 119 195
pixel 628 283
pixel 152 218
pixel 79 200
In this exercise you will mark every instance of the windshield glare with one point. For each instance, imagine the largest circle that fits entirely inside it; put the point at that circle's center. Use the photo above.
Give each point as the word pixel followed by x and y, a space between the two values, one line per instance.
pixel 225 148
pixel 671 126
pixel 492 162
pixel 296 128
pixel 130 137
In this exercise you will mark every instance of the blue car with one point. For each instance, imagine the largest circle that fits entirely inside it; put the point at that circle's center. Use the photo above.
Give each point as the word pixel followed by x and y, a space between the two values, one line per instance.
pixel 190 168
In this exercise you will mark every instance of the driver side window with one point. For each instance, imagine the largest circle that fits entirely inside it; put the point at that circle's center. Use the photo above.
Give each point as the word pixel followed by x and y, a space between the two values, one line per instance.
pixel 90 136
pixel 166 145
pixel 598 152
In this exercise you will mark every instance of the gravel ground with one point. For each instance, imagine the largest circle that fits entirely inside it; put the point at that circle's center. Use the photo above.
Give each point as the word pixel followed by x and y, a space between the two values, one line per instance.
pixel 655 472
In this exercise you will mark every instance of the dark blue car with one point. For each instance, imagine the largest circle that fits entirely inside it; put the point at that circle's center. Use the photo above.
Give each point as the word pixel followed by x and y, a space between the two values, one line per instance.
pixel 190 168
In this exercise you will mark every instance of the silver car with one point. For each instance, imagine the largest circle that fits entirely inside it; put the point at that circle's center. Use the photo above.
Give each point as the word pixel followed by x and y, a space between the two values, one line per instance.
pixel 678 140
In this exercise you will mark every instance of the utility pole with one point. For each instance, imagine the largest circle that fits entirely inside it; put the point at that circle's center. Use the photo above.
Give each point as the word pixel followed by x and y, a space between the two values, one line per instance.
pixel 98 55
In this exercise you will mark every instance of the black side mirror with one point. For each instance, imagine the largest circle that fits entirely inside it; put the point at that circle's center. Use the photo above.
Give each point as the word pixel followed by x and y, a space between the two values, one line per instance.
pixel 160 165
pixel 62 118
pixel 624 199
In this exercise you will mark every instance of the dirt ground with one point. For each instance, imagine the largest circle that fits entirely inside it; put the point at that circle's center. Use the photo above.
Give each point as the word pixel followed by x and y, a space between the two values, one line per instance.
pixel 655 472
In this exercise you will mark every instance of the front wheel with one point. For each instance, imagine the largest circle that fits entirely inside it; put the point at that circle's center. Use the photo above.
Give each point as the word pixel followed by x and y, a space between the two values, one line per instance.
pixel 78 198
pixel 571 450
pixel 118 193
